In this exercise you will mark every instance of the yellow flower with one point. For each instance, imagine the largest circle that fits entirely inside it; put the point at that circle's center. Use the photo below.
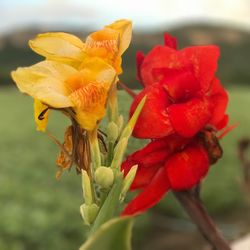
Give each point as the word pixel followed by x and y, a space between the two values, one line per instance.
pixel 108 44
pixel 54 84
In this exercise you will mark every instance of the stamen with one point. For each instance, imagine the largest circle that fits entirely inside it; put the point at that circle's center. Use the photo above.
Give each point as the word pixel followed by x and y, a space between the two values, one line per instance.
pixel 41 116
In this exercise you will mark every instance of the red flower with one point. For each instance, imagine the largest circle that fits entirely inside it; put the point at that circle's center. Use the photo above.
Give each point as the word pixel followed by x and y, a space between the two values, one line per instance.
pixel 184 109
pixel 183 94
pixel 168 163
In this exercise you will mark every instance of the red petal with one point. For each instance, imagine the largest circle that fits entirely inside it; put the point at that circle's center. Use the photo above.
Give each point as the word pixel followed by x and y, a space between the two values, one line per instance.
pixel 158 57
pixel 223 122
pixel 153 122
pixel 170 41
pixel 150 195
pixel 144 176
pixel 181 84
pixel 189 118
pixel 204 60
pixel 219 98
pixel 187 168
pixel 139 60
pixel 150 158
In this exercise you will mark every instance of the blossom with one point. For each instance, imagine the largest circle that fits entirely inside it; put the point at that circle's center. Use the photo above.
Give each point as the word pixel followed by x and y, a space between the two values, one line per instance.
pixel 170 163
pixel 74 75
pixel 181 88
pixel 183 114
pixel 61 86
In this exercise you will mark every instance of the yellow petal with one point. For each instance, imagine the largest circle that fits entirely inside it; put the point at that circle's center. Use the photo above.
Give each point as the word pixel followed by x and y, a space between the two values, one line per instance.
pixel 90 104
pixel 103 44
pixel 90 99
pixel 110 43
pixel 92 70
pixel 58 46
pixel 41 114
pixel 45 81
pixel 124 27
pixel 95 69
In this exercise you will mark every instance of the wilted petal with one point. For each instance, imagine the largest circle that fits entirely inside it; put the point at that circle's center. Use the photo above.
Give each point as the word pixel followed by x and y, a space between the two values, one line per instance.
pixel 41 114
pixel 187 168
pixel 150 195
pixel 58 46
pixel 45 81
pixel 64 160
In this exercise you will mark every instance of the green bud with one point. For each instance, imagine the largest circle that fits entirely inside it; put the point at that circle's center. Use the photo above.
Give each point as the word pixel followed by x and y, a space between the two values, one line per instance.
pixel 89 213
pixel 120 122
pixel 95 152
pixel 128 181
pixel 104 177
pixel 112 132
pixel 86 187
pixel 119 153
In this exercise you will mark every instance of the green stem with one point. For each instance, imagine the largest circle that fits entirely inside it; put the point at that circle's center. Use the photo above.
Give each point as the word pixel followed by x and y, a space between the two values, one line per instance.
pixel 110 204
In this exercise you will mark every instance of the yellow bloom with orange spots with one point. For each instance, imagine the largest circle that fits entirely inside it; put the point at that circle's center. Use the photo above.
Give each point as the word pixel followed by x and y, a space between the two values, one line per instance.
pixel 108 43
pixel 60 86
pixel 75 76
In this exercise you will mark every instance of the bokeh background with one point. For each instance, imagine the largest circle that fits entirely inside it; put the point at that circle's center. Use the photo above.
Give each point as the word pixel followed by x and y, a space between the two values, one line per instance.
pixel 38 212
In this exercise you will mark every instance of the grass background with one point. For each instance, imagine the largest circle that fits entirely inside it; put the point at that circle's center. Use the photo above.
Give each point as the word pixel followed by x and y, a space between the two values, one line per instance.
pixel 38 212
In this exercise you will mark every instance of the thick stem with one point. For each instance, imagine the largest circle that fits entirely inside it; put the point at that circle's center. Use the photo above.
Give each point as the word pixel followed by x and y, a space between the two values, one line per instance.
pixel 195 209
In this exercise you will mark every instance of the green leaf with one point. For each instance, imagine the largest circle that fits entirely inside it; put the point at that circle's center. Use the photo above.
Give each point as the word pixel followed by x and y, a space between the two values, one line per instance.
pixel 114 234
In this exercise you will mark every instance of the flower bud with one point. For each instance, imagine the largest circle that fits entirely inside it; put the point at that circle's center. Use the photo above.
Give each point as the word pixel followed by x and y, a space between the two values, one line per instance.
pixel 104 177
pixel 119 153
pixel 86 187
pixel 89 213
pixel 112 132
pixel 120 122
pixel 128 181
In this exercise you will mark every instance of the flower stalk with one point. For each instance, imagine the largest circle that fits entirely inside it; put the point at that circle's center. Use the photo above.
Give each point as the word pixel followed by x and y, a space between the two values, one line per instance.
pixel 192 203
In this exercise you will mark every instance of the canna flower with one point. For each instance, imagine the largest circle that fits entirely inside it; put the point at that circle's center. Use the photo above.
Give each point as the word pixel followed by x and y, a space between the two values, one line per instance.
pixel 61 86
pixel 183 115
pixel 75 74
pixel 170 163
pixel 183 93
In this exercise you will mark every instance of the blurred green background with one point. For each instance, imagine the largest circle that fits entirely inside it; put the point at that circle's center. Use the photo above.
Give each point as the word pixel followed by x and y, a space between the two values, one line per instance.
pixel 38 212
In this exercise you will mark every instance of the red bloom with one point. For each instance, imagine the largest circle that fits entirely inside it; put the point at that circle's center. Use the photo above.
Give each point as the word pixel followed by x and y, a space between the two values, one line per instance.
pixel 173 163
pixel 184 109
pixel 181 88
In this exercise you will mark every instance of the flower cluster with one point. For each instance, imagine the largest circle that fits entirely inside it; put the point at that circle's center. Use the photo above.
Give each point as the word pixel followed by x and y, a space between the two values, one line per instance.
pixel 77 78
pixel 184 110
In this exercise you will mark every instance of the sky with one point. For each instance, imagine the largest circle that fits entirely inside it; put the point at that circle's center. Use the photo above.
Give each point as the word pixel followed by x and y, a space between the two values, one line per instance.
pixel 146 15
